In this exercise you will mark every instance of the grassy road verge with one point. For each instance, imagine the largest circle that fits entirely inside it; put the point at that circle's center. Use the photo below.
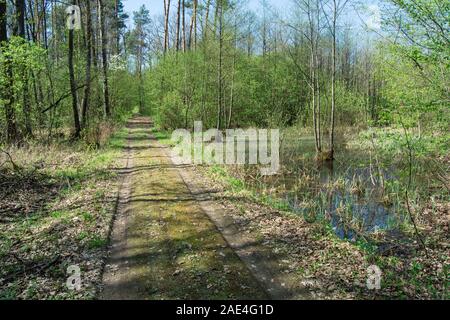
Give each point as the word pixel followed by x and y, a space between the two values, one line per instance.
pixel 55 211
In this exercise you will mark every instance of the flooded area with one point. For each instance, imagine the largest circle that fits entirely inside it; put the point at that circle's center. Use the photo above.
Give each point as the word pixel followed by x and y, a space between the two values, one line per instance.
pixel 350 192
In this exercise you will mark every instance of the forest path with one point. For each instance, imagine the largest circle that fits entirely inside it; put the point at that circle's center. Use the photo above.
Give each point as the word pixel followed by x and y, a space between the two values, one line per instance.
pixel 163 244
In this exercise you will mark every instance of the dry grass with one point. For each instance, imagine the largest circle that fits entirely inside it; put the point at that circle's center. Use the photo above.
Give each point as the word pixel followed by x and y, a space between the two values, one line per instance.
pixel 337 269
pixel 55 211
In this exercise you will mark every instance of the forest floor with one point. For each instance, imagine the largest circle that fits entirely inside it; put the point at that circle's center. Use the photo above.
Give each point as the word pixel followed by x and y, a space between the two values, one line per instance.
pixel 56 206
pixel 140 227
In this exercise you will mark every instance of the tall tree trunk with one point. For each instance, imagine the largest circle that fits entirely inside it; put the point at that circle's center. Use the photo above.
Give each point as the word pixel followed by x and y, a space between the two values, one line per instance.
pixel 313 75
pixel 10 114
pixel 216 17
pixel 73 86
pixel 140 63
pixel 104 42
pixel 55 35
pixel 141 86
pixel 333 81
pixel 319 105
pixel 205 73
pixel 31 30
pixel 166 25
pixel 95 39
pixel 117 29
pixel 206 22
pixel 37 22
pixel 183 27
pixel 233 74
pixel 317 68
pixel 3 22
pixel 20 32
pixel 7 90
pixel 20 19
pixel 314 95
pixel 87 89
pixel 177 36
pixel 219 11
pixel 44 24
pixel 193 27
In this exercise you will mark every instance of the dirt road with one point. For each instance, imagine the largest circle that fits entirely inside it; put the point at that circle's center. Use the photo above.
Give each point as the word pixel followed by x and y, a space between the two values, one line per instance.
pixel 163 244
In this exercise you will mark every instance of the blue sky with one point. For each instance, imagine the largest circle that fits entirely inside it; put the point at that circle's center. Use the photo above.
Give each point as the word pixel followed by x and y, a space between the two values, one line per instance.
pixel 157 6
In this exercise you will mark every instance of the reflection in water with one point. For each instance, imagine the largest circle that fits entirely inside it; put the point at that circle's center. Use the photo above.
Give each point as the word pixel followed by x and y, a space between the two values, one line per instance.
pixel 346 210
pixel 344 191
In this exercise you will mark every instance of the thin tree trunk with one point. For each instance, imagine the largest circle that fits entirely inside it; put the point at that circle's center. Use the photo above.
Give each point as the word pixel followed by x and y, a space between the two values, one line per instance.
pixel 32 25
pixel 230 111
pixel 55 35
pixel 193 28
pixel 166 25
pixel 7 90
pixel 313 75
pixel 314 104
pixel 319 107
pixel 141 90
pixel 10 115
pixel 37 21
pixel 219 11
pixel 183 27
pixel 333 82
pixel 44 24
pixel 104 42
pixel 177 39
pixel 318 85
pixel 3 22
pixel 95 39
pixel 216 17
pixel 20 19
pixel 117 30
pixel 140 63
pixel 233 73
pixel 73 85
pixel 206 22
pixel 205 73
pixel 87 89
pixel 20 32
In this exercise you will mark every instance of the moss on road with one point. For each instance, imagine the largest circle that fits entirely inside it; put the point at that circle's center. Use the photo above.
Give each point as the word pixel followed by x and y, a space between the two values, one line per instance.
pixel 168 248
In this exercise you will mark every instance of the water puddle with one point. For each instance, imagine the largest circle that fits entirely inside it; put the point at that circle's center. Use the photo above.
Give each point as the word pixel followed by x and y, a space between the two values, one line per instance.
pixel 348 192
